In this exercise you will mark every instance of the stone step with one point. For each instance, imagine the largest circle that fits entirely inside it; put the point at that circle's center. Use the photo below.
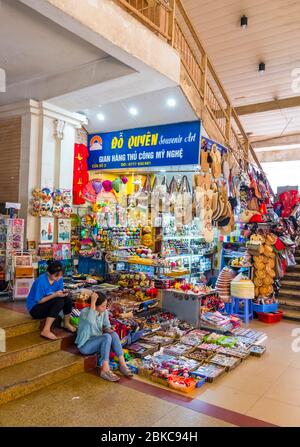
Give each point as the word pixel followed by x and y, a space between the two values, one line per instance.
pixel 289 292
pixel 15 324
pixel 26 347
pixel 293 276
pixel 293 268
pixel 291 314
pixel 289 302
pixel 16 381
pixel 290 283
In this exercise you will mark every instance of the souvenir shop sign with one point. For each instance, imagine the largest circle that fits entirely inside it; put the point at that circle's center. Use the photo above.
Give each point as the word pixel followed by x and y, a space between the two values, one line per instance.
pixel 167 145
pixel 207 144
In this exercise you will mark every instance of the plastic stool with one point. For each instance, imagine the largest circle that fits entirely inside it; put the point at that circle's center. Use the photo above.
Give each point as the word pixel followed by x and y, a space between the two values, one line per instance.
pixel 247 313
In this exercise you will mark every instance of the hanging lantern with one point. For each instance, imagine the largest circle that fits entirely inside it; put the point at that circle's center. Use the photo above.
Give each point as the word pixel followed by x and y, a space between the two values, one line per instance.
pixel 116 185
pixel 107 185
pixel 97 185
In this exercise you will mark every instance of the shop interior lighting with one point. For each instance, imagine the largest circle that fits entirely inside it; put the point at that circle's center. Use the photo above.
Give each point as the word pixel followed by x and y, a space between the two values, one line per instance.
pixel 261 67
pixel 244 22
pixel 100 117
pixel 171 102
pixel 133 111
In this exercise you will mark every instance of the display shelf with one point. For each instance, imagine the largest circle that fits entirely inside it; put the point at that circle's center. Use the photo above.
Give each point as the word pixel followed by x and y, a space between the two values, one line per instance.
pixel 178 238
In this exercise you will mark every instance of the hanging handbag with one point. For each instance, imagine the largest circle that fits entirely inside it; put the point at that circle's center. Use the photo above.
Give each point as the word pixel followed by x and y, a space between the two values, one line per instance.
pixel 183 205
pixel 173 189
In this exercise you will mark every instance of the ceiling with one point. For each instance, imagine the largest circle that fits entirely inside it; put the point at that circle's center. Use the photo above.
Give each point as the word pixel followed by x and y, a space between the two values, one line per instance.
pixel 152 109
pixel 42 59
pixel 272 36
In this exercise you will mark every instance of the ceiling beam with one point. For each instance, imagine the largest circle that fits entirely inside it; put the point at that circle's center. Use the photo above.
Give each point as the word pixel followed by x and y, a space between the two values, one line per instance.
pixel 276 104
pixel 278 156
pixel 277 141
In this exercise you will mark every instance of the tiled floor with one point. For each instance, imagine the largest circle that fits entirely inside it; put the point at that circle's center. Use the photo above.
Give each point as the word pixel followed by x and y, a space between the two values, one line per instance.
pixel 85 400
pixel 263 389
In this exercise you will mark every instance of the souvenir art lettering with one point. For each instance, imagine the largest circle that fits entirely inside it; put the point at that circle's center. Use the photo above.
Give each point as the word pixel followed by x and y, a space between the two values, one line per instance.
pixel 172 144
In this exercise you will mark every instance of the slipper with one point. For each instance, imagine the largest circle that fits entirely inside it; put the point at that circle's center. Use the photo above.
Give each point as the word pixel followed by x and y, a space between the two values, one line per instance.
pixel 125 371
pixel 69 330
pixel 108 375
pixel 47 338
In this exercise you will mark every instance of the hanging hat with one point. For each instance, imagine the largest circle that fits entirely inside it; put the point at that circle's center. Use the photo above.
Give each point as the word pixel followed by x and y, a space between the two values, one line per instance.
pixel 224 222
pixel 233 202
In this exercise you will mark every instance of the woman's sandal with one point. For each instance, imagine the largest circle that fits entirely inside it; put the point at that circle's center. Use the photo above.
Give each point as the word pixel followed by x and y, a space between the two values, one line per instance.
pixel 110 376
pixel 69 330
pixel 125 371
pixel 49 338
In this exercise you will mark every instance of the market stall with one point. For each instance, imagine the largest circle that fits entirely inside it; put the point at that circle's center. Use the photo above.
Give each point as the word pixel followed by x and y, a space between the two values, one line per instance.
pixel 174 229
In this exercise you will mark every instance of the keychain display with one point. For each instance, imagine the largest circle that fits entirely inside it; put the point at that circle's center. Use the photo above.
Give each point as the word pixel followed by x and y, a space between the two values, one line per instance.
pixel 46 202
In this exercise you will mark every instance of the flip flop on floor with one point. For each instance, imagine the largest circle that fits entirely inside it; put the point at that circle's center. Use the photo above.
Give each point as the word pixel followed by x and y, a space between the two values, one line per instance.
pixel 69 330
pixel 48 338
pixel 108 375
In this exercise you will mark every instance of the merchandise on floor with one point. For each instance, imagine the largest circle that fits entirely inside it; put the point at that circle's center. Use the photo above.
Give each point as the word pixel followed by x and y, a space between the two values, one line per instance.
pixel 183 257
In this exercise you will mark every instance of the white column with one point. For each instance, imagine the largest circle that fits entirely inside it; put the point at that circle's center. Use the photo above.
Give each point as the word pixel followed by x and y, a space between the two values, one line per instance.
pixel 47 152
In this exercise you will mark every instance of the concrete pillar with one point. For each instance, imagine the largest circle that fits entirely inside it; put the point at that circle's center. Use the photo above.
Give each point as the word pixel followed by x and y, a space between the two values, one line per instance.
pixel 46 152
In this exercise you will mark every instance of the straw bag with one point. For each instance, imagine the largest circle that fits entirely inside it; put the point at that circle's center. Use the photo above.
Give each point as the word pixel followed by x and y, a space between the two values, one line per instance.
pixel 173 193
pixel 216 162
pixel 183 205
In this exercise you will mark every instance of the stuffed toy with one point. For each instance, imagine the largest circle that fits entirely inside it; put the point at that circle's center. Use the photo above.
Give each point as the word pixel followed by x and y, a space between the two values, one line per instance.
pixel 57 196
pixel 66 196
pixel 46 195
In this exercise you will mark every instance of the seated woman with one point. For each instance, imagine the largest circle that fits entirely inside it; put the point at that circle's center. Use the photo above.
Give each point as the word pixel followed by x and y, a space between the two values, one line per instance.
pixel 95 335
pixel 47 299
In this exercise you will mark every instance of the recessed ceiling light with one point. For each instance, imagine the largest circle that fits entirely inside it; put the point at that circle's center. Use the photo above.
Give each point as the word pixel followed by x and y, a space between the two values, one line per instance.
pixel 171 102
pixel 133 111
pixel 100 116
pixel 163 170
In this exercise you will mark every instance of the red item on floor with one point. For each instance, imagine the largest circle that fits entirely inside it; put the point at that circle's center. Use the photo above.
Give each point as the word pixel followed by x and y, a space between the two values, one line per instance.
pixel 270 317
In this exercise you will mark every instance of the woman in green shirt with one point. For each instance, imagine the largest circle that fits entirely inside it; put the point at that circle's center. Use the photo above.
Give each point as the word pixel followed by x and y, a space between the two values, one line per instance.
pixel 95 335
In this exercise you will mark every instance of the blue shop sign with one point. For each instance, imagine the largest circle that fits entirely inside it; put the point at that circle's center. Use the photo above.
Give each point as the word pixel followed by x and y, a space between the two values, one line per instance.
pixel 166 145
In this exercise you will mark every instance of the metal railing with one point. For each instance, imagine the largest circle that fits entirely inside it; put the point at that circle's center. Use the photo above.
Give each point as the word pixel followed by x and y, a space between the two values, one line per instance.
pixel 169 20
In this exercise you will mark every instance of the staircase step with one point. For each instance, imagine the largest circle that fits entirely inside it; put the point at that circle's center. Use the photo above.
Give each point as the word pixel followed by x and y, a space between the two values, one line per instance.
pixel 293 276
pixel 290 292
pixel 15 323
pixel 291 314
pixel 27 347
pixel 293 268
pixel 16 381
pixel 286 301
pixel 290 283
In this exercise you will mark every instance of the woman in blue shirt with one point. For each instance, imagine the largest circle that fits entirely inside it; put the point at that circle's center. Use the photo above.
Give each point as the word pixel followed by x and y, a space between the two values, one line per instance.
pixel 47 299
pixel 95 335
